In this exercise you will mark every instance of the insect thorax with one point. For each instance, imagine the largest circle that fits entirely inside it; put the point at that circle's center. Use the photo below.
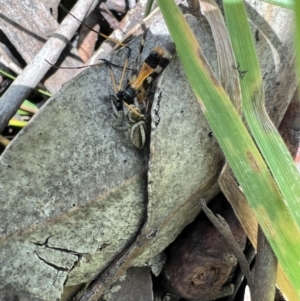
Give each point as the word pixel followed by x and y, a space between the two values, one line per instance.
pixel 127 95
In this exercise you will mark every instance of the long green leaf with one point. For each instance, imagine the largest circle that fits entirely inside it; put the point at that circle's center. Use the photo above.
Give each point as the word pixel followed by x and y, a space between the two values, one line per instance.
pixel 240 151
pixel 263 130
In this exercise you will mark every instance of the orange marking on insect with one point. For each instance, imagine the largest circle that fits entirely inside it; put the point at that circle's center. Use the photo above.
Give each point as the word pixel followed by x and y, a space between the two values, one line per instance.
pixel 146 70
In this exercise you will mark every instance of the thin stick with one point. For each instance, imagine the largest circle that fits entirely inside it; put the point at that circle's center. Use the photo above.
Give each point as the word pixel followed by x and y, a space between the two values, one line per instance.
pixel 6 60
pixel 86 66
pixel 225 231
pixel 264 270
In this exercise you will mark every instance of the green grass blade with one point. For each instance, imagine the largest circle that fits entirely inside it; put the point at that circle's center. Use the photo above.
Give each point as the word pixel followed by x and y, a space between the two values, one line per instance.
pixel 240 151
pixel 17 123
pixel 264 132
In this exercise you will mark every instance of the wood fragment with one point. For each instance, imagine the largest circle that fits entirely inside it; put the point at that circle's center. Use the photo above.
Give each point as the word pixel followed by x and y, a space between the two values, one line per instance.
pixel 221 225
pixel 29 37
pixel 7 59
pixel 265 270
pixel 200 261
pixel 108 16
pixel 36 70
pixel 88 38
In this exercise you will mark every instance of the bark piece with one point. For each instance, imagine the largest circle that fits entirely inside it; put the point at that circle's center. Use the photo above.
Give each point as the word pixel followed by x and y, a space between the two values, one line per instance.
pixel 117 5
pixel 108 16
pixel 88 38
pixel 200 263
pixel 264 270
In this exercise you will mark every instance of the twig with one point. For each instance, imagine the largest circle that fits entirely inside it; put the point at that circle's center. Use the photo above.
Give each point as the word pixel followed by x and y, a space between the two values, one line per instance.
pixel 265 270
pixel 239 275
pixel 36 70
pixel 224 229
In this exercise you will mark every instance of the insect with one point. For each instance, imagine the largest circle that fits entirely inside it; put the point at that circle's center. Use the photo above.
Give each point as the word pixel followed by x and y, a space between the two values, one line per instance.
pixel 131 104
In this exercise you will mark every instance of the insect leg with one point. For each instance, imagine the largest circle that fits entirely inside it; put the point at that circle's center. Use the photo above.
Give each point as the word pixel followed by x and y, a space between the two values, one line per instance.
pixel 125 67
pixel 130 108
pixel 112 76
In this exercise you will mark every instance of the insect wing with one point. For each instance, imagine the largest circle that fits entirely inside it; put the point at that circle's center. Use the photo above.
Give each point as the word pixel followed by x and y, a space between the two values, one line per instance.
pixel 137 65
